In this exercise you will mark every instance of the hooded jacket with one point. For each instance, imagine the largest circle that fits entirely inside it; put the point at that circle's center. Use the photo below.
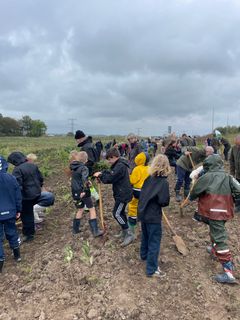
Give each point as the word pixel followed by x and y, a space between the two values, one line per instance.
pixel 154 196
pixel 215 190
pixel 140 172
pixel 198 155
pixel 27 174
pixel 92 153
pixel 118 176
pixel 10 194
pixel 79 178
pixel 234 160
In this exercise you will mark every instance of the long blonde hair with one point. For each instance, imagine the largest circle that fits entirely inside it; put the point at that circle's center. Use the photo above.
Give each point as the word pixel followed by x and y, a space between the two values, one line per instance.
pixel 160 166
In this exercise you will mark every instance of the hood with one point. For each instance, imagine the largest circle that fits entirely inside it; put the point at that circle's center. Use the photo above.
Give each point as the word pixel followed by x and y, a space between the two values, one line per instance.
pixel 213 163
pixel 141 159
pixel 16 158
pixel 75 165
pixel 88 140
pixel 3 165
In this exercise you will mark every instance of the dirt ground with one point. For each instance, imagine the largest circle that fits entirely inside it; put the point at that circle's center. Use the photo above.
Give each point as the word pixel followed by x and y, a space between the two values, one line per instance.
pixel 104 281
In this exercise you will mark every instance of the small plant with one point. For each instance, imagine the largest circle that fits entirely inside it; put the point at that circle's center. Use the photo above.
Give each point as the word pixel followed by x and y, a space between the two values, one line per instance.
pixel 68 254
pixel 86 254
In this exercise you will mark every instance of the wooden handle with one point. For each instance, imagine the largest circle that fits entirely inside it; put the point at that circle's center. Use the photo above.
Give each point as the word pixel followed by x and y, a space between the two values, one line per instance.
pixel 168 223
pixel 100 205
pixel 191 160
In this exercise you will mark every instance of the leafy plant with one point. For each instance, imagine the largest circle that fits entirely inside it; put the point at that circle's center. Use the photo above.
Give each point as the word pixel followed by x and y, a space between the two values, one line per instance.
pixel 86 253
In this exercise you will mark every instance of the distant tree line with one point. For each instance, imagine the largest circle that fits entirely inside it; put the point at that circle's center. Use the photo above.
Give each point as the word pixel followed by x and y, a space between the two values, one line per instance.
pixel 228 129
pixel 23 127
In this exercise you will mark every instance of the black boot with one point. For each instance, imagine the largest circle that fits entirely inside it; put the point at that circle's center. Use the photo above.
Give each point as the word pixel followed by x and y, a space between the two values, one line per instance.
pixel 186 192
pixel 1 265
pixel 76 226
pixel 16 254
pixel 94 228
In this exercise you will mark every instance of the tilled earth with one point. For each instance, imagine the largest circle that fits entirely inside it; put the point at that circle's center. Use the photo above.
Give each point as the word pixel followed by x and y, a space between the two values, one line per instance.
pixel 104 281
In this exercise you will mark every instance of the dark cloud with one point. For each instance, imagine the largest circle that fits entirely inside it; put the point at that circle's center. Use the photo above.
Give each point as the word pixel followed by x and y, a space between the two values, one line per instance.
pixel 116 66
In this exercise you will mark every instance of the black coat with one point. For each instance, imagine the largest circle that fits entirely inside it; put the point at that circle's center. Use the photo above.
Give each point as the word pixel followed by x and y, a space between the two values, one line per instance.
pixel 27 174
pixel 154 195
pixel 79 178
pixel 118 176
pixel 172 155
pixel 93 157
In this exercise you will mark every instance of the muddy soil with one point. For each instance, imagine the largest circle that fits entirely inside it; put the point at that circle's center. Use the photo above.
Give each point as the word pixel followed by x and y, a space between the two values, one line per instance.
pixel 104 281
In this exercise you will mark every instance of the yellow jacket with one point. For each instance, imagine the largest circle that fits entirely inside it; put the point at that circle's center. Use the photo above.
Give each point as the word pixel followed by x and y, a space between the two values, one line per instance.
pixel 140 172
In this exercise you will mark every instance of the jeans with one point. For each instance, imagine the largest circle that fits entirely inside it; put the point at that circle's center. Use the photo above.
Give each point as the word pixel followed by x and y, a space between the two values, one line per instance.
pixel 182 175
pixel 150 245
pixel 9 229
pixel 46 199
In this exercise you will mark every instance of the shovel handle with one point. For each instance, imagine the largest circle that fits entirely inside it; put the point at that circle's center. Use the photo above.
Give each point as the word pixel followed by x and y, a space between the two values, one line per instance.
pixel 100 204
pixel 191 160
pixel 168 223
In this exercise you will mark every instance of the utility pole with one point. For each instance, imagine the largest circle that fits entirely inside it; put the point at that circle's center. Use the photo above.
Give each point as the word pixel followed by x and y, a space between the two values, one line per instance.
pixel 138 131
pixel 71 120
pixel 213 119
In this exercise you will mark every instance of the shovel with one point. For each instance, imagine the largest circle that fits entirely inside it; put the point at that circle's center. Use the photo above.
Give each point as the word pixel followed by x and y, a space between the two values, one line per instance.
pixel 181 247
pixel 101 206
pixel 185 201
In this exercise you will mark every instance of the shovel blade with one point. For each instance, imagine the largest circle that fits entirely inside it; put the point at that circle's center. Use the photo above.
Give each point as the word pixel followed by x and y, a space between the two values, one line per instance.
pixel 181 247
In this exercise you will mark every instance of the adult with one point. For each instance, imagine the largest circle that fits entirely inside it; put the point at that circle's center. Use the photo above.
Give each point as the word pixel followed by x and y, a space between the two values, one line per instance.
pixel 234 160
pixel 227 147
pixel 134 149
pixel 184 167
pixel 85 144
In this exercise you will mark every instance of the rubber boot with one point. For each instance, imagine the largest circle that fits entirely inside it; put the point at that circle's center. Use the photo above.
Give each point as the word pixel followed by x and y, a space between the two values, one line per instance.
pixel 227 276
pixel 132 229
pixel 1 265
pixel 94 228
pixel 178 196
pixel 120 235
pixel 186 192
pixel 76 225
pixel 16 254
pixel 128 237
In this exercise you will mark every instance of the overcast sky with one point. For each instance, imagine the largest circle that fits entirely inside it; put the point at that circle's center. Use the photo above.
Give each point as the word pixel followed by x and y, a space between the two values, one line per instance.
pixel 121 66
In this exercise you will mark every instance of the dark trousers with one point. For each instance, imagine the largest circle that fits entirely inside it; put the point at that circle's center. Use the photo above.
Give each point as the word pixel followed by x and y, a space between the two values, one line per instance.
pixel 225 152
pixel 27 217
pixel 9 229
pixel 150 245
pixel 120 215
pixel 182 176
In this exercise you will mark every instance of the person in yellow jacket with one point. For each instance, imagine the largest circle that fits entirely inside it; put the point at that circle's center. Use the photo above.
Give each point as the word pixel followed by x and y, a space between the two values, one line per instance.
pixel 137 178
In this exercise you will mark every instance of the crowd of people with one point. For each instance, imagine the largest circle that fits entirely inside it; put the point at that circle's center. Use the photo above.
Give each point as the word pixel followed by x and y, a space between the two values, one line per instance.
pixel 138 174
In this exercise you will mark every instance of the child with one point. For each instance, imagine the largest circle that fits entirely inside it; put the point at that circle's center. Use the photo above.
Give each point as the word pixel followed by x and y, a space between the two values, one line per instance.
pixel 10 207
pixel 81 192
pixel 154 195
pixel 30 181
pixel 137 178
pixel 215 190
pixel 122 190
pixel 45 200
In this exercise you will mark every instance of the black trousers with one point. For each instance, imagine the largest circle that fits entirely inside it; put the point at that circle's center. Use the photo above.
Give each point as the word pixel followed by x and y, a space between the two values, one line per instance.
pixel 120 215
pixel 27 217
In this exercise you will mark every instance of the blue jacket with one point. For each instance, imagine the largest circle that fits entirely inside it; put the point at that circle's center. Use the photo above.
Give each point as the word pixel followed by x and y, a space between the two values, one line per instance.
pixel 10 194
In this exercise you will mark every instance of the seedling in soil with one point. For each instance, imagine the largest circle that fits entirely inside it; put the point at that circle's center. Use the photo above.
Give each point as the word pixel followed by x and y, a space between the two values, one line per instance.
pixel 86 254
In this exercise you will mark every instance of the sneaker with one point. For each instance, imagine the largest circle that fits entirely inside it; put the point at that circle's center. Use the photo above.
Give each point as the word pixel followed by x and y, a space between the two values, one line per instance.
pixel 39 220
pixel 226 277
pixel 157 274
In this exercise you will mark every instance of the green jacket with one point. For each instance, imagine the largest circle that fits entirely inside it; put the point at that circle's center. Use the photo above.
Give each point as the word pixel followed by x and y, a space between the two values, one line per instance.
pixel 215 190
pixel 235 161
pixel 198 155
